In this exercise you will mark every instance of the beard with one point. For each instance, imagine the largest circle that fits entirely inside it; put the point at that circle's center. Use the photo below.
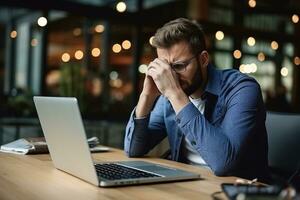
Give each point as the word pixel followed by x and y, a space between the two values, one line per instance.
pixel 195 84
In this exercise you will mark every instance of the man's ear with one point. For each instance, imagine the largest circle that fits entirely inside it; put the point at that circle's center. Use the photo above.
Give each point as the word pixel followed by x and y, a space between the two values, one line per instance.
pixel 204 58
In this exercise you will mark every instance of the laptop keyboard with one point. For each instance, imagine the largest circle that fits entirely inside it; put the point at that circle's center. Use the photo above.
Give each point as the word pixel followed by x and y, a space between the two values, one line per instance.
pixel 111 171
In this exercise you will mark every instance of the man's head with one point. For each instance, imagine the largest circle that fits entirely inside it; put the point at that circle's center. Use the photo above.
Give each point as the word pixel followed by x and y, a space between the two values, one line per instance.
pixel 181 43
pixel 178 30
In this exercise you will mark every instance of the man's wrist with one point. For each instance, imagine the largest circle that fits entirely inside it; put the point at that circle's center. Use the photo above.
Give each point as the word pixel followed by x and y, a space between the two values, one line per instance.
pixel 149 97
pixel 144 105
pixel 175 95
pixel 178 100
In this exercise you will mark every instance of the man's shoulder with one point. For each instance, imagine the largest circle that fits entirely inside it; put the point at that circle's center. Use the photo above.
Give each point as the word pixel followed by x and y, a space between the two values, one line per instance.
pixel 224 82
pixel 235 75
pixel 232 78
pixel 234 82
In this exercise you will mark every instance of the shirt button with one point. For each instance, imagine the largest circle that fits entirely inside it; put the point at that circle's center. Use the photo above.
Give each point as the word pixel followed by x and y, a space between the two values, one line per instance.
pixel 193 142
pixel 178 120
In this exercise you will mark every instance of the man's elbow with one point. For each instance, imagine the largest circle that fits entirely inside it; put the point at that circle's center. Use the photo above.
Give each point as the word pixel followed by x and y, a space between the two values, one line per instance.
pixel 223 169
pixel 134 154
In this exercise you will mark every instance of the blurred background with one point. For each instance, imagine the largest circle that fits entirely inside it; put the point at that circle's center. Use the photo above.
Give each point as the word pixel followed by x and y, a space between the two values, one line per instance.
pixel 98 51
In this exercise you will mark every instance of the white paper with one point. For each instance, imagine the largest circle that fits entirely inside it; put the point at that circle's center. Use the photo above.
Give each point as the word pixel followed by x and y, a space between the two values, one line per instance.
pixel 20 146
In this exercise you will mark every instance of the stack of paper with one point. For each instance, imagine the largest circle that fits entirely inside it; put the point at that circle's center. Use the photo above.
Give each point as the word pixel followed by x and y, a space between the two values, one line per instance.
pixel 36 145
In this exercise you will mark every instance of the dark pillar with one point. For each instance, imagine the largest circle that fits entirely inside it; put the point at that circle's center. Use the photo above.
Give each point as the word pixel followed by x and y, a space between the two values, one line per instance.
pixel 104 67
pixel 44 53
pixel 30 60
pixel 279 56
pixel 137 49
pixel 296 74
pixel 87 42
pixel 10 56
pixel 237 37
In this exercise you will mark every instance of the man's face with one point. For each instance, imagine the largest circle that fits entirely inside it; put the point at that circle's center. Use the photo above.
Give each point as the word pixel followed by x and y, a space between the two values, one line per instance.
pixel 192 78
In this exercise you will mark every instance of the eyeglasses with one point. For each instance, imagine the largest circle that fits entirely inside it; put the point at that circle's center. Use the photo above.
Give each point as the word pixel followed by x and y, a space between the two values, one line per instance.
pixel 181 65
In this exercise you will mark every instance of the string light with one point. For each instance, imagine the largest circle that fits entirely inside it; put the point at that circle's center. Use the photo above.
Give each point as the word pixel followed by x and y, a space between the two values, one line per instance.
pixel 78 54
pixel 143 68
pixel 96 52
pixel 34 42
pixel 126 44
pixel 297 60
pixel 42 21
pixel 121 6
pixel 261 57
pixel 219 35
pixel 99 28
pixel 113 75
pixel 237 54
pixel 13 34
pixel 295 18
pixel 251 41
pixel 97 87
pixel 77 32
pixel 116 83
pixel 252 3
pixel 151 40
pixel 116 48
pixel 65 57
pixel 248 68
pixel 284 71
pixel 274 45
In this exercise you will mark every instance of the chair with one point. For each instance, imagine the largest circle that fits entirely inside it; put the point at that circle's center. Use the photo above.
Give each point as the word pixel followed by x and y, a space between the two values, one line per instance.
pixel 284 141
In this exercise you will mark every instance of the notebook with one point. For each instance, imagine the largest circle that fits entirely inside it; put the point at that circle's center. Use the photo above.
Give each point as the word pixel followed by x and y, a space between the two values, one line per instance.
pixel 63 129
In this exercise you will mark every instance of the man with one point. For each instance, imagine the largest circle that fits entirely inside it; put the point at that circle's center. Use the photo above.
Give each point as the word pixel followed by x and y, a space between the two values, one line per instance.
pixel 212 118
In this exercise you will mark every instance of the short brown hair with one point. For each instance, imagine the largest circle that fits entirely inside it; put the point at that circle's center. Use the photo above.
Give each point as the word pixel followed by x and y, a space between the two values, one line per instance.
pixel 178 30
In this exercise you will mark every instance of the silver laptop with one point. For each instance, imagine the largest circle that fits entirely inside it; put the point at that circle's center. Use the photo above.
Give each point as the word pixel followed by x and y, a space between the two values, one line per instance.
pixel 62 125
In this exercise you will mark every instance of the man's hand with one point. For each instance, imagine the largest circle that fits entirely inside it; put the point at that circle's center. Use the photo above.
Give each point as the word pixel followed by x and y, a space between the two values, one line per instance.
pixel 164 77
pixel 147 97
pixel 149 87
pixel 166 81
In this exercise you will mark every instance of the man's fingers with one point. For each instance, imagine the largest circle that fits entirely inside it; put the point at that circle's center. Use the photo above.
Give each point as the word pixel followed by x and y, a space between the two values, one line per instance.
pixel 151 72
pixel 153 66
pixel 161 62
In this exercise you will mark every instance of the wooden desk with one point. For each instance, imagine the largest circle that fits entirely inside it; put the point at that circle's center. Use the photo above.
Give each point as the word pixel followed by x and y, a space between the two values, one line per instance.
pixel 33 177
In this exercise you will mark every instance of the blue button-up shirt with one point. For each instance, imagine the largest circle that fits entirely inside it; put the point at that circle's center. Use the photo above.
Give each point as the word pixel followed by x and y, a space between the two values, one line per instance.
pixel 230 136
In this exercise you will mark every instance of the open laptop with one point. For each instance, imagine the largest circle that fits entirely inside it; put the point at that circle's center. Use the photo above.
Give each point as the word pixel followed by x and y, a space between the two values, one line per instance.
pixel 62 125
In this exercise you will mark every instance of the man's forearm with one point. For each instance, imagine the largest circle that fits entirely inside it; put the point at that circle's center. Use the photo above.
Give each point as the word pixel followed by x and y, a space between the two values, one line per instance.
pixel 143 133
pixel 144 105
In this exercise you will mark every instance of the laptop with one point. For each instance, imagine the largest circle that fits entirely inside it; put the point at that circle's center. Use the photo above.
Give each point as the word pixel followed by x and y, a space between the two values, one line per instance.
pixel 63 129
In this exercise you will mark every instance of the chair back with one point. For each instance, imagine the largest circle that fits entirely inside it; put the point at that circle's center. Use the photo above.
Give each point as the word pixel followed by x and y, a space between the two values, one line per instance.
pixel 283 140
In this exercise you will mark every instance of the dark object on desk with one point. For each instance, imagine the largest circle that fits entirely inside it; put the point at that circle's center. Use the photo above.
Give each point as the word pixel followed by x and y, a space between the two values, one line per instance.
pixel 233 190
pixel 93 142
pixel 26 146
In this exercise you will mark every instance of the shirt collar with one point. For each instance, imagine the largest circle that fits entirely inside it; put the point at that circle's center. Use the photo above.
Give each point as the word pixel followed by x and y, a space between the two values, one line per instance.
pixel 214 80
